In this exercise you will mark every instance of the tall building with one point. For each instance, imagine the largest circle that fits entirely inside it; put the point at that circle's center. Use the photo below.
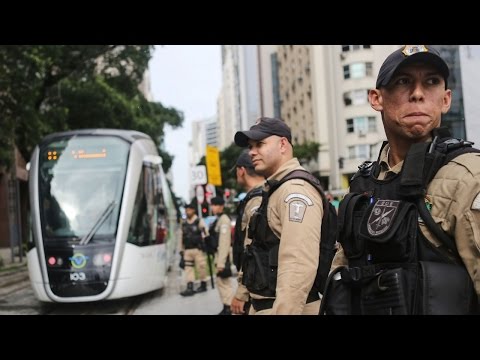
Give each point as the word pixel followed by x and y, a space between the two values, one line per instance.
pixel 295 89
pixel 239 101
pixel 268 78
pixel 455 118
pixel 470 77
pixel 350 132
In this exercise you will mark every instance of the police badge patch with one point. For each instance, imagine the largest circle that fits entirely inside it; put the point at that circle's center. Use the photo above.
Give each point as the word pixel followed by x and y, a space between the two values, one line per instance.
pixel 381 217
pixel 297 206
pixel 296 211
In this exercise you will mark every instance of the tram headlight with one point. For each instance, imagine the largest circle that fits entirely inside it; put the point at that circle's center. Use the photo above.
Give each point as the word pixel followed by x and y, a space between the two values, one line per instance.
pixel 102 259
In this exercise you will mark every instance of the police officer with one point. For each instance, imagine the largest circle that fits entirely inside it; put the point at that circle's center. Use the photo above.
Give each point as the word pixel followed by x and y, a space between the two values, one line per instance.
pixel 252 182
pixel 413 245
pixel 221 229
pixel 193 232
pixel 279 270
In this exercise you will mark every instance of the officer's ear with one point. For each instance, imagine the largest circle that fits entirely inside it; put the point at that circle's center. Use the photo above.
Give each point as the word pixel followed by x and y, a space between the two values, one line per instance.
pixel 375 99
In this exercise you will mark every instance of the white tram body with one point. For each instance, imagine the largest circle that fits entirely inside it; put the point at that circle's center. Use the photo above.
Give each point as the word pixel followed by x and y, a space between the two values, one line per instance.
pixel 103 218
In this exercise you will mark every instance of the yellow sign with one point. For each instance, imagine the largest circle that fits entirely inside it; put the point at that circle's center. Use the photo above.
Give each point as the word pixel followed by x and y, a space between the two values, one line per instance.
pixel 213 166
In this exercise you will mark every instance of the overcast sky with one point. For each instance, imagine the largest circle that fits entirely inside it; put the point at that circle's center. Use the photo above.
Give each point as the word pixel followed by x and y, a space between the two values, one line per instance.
pixel 187 77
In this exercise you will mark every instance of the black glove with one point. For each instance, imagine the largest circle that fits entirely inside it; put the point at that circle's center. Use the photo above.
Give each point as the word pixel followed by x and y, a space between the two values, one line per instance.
pixel 182 261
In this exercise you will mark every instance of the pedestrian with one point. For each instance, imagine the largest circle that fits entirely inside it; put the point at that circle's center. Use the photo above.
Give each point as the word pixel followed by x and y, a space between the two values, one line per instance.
pixel 192 245
pixel 221 232
pixel 410 225
pixel 252 183
pixel 280 265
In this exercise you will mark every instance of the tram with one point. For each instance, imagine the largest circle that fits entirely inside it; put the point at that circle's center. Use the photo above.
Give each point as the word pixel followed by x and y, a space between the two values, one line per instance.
pixel 103 219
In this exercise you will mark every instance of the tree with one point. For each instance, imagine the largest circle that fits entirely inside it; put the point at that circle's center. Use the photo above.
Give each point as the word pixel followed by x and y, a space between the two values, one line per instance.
pixel 306 152
pixel 50 88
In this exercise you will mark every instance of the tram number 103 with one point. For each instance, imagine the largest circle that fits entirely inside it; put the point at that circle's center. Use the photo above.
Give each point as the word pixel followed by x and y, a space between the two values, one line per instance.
pixel 78 276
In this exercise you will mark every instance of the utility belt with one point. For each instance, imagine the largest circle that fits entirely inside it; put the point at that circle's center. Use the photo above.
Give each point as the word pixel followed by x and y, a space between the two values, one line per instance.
pixel 198 246
pixel 263 304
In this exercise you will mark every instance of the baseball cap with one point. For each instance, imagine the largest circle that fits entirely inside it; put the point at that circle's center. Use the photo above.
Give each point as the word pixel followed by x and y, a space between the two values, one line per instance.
pixel 408 54
pixel 217 200
pixel 190 206
pixel 264 127
pixel 243 160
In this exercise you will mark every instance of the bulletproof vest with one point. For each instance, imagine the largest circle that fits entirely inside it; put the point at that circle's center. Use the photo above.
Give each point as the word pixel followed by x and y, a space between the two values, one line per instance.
pixel 392 267
pixel 192 235
pixel 260 262
pixel 239 235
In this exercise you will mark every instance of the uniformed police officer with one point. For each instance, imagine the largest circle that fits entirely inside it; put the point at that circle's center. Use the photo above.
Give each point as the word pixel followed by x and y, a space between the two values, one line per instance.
pixel 221 228
pixel 396 263
pixel 193 232
pixel 252 183
pixel 282 282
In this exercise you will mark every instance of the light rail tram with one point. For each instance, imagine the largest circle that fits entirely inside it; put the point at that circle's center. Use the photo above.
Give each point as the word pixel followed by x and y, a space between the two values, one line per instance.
pixel 103 219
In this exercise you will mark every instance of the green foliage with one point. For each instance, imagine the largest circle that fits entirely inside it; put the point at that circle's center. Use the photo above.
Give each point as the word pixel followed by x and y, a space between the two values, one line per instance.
pixel 306 152
pixel 228 158
pixel 51 88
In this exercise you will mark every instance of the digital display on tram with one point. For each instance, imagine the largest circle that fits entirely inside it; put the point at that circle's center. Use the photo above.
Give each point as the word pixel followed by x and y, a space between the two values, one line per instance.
pixel 52 154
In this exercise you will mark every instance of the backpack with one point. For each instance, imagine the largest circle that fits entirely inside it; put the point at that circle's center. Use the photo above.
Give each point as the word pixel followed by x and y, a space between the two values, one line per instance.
pixel 328 232
pixel 239 235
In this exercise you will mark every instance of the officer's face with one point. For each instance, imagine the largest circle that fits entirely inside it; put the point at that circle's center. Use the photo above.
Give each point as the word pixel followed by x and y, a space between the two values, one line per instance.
pixel 413 102
pixel 267 154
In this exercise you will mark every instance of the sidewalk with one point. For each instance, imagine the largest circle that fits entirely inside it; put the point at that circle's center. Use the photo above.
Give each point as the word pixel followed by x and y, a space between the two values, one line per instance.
pixel 6 260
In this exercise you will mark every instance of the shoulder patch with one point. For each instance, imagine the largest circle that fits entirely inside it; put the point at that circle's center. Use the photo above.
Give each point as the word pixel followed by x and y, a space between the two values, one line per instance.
pixel 297 206
pixel 299 196
pixel 476 203
pixel 253 209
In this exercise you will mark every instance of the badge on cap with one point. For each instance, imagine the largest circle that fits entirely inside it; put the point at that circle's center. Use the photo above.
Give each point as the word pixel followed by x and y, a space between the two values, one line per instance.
pixel 409 50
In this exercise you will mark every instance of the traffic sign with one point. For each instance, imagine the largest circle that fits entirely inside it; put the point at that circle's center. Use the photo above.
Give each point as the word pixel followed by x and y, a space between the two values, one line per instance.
pixel 213 166
pixel 199 175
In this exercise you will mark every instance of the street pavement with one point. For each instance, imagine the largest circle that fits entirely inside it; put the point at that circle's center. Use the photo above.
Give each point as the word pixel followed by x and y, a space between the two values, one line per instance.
pixel 170 302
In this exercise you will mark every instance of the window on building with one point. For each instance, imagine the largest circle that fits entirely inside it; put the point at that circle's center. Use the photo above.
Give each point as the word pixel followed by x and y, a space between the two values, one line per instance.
pixel 346 71
pixel 359 152
pixel 346 48
pixel 357 70
pixel 355 97
pixel 361 125
pixel 372 124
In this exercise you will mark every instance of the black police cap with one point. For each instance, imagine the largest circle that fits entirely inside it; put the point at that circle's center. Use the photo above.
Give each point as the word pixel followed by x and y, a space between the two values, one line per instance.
pixel 264 127
pixel 408 54
pixel 217 200
pixel 243 160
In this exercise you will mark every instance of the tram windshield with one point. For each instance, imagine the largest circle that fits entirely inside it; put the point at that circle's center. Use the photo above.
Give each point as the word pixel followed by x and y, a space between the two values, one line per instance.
pixel 80 177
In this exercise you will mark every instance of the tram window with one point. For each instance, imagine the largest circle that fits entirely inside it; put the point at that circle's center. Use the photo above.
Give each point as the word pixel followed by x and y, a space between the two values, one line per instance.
pixel 143 227
pixel 56 221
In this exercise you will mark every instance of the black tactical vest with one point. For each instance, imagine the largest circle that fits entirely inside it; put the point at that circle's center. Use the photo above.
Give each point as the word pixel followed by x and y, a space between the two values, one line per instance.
pixel 392 267
pixel 239 235
pixel 260 261
pixel 192 235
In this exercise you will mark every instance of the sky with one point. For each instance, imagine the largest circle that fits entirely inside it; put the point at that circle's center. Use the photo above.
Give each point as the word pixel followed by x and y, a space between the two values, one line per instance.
pixel 188 78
